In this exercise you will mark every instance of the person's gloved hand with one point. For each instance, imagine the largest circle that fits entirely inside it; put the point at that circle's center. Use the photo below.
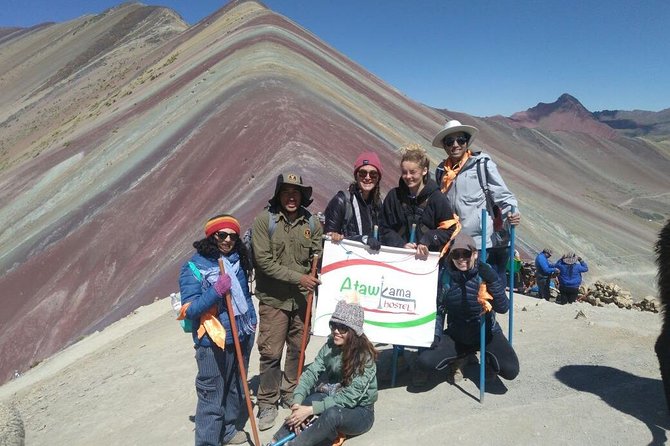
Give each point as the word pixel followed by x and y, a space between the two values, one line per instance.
pixel 373 243
pixel 579 259
pixel 222 284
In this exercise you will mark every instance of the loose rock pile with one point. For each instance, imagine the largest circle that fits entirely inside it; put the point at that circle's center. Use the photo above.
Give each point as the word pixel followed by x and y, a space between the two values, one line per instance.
pixel 602 293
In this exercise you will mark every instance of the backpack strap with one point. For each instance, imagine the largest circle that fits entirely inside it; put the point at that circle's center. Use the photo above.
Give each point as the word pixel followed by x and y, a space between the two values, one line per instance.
pixel 484 184
pixel 195 270
pixel 354 208
pixel 272 224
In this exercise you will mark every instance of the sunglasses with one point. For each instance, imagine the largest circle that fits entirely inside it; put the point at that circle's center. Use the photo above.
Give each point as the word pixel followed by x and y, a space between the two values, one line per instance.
pixel 363 174
pixel 449 141
pixel 341 328
pixel 222 235
pixel 461 254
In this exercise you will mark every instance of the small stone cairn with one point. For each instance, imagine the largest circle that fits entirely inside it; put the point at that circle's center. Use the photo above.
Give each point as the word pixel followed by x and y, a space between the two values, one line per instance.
pixel 603 293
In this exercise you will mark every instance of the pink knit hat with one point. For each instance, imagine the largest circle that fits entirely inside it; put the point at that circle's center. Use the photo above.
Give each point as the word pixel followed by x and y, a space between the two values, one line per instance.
pixel 368 159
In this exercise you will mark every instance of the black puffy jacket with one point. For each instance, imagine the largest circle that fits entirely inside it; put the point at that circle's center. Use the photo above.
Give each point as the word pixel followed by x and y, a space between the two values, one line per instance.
pixel 459 301
pixel 427 210
pixel 336 215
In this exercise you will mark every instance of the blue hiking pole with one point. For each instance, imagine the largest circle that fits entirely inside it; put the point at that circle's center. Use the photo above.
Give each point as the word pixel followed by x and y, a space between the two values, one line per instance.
pixel 284 440
pixel 375 232
pixel 512 272
pixel 482 323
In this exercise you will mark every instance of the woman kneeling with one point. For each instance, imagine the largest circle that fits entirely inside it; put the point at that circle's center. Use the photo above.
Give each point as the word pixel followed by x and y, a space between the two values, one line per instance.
pixel 471 289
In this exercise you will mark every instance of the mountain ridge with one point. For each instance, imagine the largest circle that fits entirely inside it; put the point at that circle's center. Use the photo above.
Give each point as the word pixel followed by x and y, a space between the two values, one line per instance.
pixel 109 173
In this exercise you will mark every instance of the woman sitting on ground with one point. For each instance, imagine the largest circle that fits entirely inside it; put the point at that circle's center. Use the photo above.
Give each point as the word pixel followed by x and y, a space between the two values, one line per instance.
pixel 474 288
pixel 340 386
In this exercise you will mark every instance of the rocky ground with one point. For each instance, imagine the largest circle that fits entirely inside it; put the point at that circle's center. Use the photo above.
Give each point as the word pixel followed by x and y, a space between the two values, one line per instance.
pixel 588 376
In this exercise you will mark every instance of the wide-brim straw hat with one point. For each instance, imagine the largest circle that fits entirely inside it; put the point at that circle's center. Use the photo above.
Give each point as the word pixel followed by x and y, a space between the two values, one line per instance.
pixel 454 126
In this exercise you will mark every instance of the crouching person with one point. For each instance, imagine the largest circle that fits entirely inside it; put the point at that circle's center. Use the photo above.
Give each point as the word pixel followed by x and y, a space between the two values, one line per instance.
pixel 474 289
pixel 336 393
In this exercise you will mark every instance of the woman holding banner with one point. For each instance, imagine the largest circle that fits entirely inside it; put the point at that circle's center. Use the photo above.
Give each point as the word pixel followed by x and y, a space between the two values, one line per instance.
pixel 354 214
pixel 203 291
pixel 340 386
pixel 412 215
pixel 474 289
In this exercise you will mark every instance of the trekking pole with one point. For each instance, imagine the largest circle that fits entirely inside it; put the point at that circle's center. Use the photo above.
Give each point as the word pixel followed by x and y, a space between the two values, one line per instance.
pixel 482 323
pixel 512 272
pixel 308 315
pixel 292 435
pixel 375 232
pixel 240 359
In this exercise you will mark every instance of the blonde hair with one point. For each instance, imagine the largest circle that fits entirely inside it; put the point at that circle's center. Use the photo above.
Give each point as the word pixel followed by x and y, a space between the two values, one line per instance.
pixel 415 153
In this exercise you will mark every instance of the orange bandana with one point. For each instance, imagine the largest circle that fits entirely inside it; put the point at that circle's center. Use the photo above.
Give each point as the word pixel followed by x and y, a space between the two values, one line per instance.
pixel 210 324
pixel 450 172
pixel 483 297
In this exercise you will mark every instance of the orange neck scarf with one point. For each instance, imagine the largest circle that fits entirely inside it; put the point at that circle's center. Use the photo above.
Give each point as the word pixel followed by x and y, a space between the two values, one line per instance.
pixel 450 171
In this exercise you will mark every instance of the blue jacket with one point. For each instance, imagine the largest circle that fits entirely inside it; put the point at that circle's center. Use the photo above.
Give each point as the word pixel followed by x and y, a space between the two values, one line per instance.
pixel 570 276
pixel 461 306
pixel 543 267
pixel 202 295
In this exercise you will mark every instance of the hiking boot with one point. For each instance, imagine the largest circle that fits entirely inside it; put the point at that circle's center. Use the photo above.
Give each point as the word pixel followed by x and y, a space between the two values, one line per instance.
pixel 239 438
pixel 266 417
pixel 455 372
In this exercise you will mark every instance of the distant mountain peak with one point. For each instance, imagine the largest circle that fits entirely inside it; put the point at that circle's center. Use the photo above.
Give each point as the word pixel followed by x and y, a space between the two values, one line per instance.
pixel 564 114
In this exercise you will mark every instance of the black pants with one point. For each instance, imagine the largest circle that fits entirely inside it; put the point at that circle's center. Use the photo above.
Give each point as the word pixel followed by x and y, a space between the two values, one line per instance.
pixel 568 294
pixel 323 431
pixel 543 285
pixel 498 258
pixel 500 355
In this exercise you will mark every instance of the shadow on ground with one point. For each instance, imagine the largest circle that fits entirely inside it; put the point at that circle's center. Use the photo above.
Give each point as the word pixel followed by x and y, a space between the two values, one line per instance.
pixel 639 397
pixel 404 376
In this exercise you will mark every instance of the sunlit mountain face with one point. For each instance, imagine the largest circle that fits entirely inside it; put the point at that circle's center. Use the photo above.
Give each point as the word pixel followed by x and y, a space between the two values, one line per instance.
pixel 122 133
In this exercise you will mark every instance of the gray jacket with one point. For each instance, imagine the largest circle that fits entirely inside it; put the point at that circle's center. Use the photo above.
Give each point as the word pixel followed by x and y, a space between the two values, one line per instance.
pixel 467 199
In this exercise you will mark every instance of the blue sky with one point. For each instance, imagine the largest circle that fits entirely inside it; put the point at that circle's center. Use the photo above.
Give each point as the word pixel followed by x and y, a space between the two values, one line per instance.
pixel 475 56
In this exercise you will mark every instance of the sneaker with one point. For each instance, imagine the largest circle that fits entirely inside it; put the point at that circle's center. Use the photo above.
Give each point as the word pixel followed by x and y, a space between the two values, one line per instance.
pixel 266 417
pixel 239 438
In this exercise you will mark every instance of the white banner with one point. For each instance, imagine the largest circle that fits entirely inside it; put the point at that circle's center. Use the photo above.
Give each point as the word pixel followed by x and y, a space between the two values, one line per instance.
pixel 396 290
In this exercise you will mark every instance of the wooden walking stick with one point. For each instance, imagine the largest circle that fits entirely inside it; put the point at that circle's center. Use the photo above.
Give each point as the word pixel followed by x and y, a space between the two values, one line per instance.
pixel 240 359
pixel 308 315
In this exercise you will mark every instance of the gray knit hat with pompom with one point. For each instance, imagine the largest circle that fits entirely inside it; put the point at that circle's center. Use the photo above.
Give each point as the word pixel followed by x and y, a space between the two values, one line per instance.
pixel 350 315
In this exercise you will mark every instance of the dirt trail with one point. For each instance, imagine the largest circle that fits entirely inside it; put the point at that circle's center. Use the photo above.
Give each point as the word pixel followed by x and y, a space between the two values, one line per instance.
pixel 591 380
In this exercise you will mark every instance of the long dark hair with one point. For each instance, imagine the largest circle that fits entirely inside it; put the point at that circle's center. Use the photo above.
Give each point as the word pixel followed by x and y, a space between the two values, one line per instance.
pixel 207 247
pixel 357 351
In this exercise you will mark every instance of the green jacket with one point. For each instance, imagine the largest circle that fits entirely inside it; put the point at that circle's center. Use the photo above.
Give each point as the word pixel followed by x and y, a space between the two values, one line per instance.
pixel 281 262
pixel 328 363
